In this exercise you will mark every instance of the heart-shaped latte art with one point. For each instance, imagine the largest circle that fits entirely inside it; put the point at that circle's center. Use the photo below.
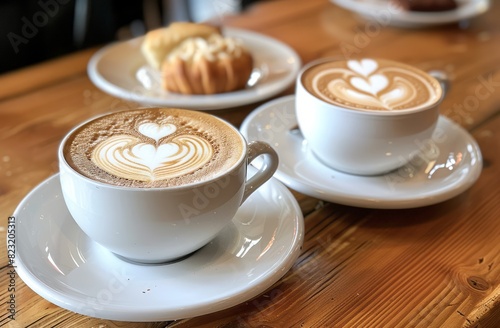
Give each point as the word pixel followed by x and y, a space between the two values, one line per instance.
pixel 153 157
pixel 127 157
pixel 372 85
pixel 156 131
pixel 373 93
pixel 363 67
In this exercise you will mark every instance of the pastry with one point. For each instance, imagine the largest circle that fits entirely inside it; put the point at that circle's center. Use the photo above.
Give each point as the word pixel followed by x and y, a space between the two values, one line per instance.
pixel 207 66
pixel 158 43
pixel 197 59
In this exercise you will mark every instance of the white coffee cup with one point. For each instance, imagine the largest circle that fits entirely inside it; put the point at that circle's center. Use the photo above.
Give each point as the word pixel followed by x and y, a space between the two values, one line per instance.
pixel 365 141
pixel 153 225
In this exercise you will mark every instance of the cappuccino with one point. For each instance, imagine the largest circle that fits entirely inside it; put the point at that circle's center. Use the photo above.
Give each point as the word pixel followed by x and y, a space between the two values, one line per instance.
pixel 372 84
pixel 153 147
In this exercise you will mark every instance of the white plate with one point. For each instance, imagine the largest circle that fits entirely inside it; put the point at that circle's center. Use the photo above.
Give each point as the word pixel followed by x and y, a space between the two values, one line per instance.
pixel 385 13
pixel 114 70
pixel 444 168
pixel 59 262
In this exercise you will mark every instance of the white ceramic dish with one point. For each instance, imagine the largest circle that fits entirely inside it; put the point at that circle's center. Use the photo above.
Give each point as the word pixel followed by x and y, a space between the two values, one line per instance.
pixel 60 263
pixel 120 70
pixel 434 177
pixel 386 14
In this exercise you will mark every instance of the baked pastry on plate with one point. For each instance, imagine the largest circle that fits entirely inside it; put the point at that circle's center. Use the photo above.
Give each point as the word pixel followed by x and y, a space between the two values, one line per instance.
pixel 197 59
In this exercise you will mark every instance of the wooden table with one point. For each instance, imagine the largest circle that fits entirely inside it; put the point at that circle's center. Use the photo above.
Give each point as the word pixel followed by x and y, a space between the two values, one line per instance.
pixel 436 266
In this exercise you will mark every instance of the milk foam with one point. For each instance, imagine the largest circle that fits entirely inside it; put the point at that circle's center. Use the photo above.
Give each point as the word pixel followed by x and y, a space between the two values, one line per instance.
pixel 154 147
pixel 129 157
pixel 373 84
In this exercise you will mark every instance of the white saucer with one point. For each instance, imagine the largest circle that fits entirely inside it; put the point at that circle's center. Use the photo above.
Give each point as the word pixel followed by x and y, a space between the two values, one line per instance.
pixel 453 168
pixel 59 262
pixel 382 11
pixel 114 70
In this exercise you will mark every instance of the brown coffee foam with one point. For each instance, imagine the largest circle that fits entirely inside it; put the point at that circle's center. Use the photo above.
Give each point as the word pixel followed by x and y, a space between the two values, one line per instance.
pixel 390 69
pixel 227 144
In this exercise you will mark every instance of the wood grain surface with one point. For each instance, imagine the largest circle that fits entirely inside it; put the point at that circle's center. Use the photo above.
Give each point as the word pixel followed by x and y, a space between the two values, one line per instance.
pixel 435 266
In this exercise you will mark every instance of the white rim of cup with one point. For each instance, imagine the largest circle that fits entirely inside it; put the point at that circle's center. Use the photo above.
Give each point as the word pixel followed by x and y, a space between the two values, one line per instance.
pixel 230 171
pixel 369 112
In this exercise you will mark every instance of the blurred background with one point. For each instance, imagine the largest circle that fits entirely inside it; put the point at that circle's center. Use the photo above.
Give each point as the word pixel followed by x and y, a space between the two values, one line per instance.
pixel 37 30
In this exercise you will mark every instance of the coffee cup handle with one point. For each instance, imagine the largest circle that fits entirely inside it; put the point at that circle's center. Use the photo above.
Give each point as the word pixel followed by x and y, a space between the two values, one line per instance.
pixel 266 171
pixel 443 80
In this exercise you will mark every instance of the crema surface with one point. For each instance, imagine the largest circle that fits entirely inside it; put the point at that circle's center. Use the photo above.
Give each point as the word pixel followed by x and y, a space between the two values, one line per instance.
pixel 153 148
pixel 372 84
